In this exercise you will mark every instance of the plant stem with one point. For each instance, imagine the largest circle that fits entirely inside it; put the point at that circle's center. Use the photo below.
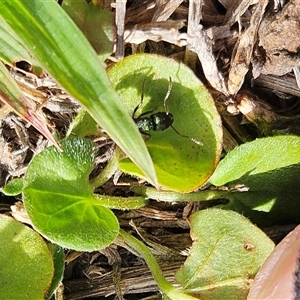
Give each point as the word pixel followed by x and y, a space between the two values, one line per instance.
pixel 168 196
pixel 141 249
pixel 110 169
pixel 122 203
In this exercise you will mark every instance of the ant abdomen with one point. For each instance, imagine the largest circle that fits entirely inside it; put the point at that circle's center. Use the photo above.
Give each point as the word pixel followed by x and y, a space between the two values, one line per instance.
pixel 161 121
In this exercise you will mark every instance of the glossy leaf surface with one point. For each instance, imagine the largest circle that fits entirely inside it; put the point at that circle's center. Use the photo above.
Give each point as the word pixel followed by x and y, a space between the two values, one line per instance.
pixel 12 48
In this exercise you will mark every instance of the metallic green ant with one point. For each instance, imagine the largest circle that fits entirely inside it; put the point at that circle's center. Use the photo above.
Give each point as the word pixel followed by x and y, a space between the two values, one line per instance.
pixel 159 121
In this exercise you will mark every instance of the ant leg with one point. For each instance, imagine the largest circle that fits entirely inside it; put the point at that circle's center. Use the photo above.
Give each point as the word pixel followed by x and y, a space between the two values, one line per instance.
pixel 142 99
pixel 188 137
pixel 167 95
pixel 145 113
pixel 146 134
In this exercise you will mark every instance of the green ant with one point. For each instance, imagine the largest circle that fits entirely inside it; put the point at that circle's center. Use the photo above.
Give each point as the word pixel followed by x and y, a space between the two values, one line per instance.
pixel 159 121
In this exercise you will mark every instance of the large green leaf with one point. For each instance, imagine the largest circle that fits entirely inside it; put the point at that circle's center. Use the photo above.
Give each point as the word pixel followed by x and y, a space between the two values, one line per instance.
pixel 26 265
pixel 60 202
pixel 226 254
pixel 181 164
pixel 58 44
pixel 269 170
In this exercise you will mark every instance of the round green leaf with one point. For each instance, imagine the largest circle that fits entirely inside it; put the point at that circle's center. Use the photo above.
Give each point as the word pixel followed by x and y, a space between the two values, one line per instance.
pixel 60 202
pixel 26 265
pixel 226 254
pixel 181 164
pixel 269 168
pixel 262 156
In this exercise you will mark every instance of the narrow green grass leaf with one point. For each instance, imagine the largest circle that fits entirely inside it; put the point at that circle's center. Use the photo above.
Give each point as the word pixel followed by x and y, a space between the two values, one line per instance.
pixel 58 44
pixel 12 48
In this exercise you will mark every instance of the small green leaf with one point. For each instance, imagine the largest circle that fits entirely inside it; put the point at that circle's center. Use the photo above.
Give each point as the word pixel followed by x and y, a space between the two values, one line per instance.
pixel 26 265
pixel 269 168
pixel 226 254
pixel 180 164
pixel 13 188
pixel 60 202
pixel 83 125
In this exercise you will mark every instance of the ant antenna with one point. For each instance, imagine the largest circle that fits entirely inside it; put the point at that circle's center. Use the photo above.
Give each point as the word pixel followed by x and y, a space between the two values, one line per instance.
pixel 168 95
pixel 142 99
pixel 167 113
pixel 187 137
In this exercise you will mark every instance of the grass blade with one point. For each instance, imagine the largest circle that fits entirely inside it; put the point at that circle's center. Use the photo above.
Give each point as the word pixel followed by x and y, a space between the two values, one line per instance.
pixel 12 95
pixel 57 43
